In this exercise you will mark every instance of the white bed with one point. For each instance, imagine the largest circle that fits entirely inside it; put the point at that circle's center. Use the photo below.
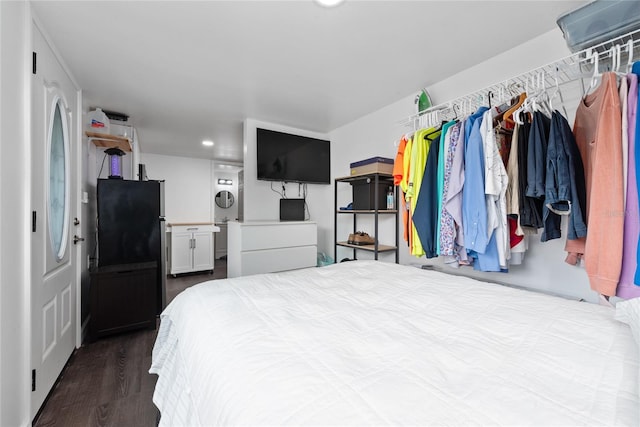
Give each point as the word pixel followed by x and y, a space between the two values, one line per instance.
pixel 367 342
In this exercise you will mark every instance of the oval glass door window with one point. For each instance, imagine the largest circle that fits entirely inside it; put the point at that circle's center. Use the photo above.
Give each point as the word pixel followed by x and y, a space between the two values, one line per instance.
pixel 58 185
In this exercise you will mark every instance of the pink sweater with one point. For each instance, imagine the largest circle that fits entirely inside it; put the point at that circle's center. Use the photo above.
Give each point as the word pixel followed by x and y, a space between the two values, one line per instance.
pixel 598 132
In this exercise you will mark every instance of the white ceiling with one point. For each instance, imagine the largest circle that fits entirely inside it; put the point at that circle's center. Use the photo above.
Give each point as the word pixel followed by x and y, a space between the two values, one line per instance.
pixel 187 71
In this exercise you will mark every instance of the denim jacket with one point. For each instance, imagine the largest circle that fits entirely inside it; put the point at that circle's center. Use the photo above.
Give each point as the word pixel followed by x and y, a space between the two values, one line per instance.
pixel 565 192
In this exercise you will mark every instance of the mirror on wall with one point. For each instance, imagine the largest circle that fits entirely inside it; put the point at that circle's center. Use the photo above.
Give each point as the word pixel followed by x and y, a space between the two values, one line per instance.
pixel 224 199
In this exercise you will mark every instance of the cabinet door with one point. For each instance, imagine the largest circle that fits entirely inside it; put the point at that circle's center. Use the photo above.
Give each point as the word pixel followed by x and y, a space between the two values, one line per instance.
pixel 203 251
pixel 181 252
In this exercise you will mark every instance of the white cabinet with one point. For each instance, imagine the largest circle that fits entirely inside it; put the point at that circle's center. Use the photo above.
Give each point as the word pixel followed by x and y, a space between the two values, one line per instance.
pixel 191 247
pixel 268 246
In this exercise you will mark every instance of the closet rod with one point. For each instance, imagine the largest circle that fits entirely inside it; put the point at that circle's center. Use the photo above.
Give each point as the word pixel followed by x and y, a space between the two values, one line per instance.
pixel 565 70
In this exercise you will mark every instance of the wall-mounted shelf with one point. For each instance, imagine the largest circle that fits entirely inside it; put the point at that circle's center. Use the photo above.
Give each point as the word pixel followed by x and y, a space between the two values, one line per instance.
pixel 104 140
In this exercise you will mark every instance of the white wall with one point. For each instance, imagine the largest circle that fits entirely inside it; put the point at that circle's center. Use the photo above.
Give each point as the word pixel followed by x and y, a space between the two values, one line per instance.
pixel 375 134
pixel 15 184
pixel 260 203
pixel 188 190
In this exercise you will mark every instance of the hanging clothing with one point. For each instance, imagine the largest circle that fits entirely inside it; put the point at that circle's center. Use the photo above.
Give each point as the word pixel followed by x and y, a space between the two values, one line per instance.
pixel 398 164
pixel 513 193
pixel 517 238
pixel 517 242
pixel 422 142
pixel 495 187
pixel 623 92
pixel 565 190
pixel 474 209
pixel 537 164
pixel 480 246
pixel 398 179
pixel 451 232
pixel 444 142
pixel 504 139
pixel 425 216
pixel 626 287
pixel 530 207
pixel 636 70
pixel 598 133
pixel 415 169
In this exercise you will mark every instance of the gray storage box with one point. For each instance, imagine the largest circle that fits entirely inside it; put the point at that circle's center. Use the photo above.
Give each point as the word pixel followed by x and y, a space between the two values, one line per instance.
pixel 598 22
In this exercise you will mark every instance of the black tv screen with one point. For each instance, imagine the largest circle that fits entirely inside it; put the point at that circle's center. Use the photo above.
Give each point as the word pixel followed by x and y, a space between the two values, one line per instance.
pixel 292 158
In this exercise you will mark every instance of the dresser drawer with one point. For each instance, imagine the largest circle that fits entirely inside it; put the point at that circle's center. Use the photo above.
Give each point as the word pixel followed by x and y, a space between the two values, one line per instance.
pixel 254 262
pixel 274 236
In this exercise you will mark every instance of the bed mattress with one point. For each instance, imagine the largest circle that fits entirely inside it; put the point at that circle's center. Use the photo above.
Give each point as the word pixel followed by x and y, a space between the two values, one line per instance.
pixel 368 342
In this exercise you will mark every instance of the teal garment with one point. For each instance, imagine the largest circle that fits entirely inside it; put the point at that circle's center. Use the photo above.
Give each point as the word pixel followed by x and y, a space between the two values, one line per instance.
pixel 440 178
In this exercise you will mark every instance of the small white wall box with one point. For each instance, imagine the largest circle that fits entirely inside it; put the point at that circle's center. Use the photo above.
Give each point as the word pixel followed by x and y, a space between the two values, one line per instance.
pixel 599 21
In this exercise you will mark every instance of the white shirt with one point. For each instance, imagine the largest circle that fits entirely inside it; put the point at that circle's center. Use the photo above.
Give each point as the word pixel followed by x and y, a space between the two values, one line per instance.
pixel 495 189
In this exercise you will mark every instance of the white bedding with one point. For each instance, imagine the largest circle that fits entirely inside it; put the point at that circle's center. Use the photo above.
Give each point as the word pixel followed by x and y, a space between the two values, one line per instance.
pixel 367 342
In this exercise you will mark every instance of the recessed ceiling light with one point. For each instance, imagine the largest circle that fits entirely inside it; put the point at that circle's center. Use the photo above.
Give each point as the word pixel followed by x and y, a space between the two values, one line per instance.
pixel 329 3
pixel 207 143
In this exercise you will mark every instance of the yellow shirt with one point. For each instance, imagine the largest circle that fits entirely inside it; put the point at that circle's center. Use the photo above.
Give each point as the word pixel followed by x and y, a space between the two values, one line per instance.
pixel 418 160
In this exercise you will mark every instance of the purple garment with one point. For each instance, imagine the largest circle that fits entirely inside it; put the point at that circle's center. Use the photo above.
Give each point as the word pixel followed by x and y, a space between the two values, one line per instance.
pixel 451 234
pixel 626 287
pixel 447 232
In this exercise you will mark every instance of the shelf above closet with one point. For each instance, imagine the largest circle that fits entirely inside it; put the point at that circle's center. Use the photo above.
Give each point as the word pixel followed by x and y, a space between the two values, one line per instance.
pixel 104 140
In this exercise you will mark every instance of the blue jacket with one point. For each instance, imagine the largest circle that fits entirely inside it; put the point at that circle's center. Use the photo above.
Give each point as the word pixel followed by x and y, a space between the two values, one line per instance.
pixel 565 192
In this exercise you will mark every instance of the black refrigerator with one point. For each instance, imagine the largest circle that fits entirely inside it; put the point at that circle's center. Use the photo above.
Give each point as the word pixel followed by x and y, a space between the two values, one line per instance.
pixel 131 227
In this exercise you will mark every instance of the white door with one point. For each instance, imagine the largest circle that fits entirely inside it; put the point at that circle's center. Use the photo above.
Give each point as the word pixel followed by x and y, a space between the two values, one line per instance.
pixel 202 250
pixel 53 192
pixel 181 249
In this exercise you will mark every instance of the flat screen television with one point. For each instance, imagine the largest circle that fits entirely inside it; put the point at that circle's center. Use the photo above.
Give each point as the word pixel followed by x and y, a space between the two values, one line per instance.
pixel 292 158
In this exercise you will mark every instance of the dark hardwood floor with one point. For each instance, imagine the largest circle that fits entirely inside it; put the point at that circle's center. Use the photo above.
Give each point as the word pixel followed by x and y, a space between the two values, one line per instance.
pixel 107 382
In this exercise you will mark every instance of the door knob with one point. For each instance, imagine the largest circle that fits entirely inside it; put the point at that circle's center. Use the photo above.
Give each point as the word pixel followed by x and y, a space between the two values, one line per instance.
pixel 76 221
pixel 77 239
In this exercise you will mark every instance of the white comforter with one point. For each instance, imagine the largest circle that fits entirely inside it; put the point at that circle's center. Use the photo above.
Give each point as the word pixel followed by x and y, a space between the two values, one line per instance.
pixel 367 342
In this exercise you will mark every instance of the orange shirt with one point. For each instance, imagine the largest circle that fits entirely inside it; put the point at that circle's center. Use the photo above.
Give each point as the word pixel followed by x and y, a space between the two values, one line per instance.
pixel 400 177
pixel 598 132
pixel 398 164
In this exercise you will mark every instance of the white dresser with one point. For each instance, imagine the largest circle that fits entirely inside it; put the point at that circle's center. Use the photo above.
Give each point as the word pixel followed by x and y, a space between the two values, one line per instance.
pixel 269 246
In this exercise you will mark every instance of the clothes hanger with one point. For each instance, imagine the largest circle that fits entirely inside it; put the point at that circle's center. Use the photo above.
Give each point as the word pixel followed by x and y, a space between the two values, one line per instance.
pixel 525 107
pixel 455 113
pixel 596 72
pixel 629 48
pixel 557 93
pixel 541 103
pixel 489 96
pixel 616 52
pixel 508 115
